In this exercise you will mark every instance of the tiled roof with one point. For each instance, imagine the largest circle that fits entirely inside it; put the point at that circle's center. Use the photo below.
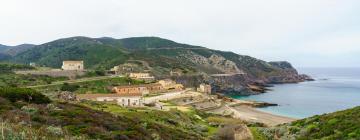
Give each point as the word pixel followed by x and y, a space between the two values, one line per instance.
pixel 93 96
pixel 135 86
pixel 73 61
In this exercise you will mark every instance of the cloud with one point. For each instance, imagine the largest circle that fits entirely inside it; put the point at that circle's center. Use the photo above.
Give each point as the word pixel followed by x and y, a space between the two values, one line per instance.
pixel 272 30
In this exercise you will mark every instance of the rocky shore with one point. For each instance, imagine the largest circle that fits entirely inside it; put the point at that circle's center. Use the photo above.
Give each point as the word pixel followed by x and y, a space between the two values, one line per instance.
pixel 251 85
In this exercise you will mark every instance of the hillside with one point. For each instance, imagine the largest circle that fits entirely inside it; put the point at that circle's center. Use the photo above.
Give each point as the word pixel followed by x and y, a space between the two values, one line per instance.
pixel 161 56
pixel 27 114
pixel 334 126
pixel 166 54
pixel 6 52
pixel 3 48
pixel 14 50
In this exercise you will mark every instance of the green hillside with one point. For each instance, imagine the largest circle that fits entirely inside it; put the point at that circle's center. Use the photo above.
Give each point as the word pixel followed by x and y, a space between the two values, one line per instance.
pixel 4 57
pixel 339 125
pixel 161 55
pixel 141 43
pixel 3 48
pixel 94 53
pixel 14 50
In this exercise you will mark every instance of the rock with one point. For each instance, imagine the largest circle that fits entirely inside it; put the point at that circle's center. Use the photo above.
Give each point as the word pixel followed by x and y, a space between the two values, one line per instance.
pixel 67 96
pixel 264 104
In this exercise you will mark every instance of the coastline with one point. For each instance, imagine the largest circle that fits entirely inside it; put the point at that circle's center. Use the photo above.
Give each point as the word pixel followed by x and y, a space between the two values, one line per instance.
pixel 251 114
pixel 247 110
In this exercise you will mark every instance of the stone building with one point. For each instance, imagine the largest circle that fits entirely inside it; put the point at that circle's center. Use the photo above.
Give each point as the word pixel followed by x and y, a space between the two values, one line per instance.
pixel 127 100
pixel 73 65
pixel 204 88
pixel 169 84
pixel 138 89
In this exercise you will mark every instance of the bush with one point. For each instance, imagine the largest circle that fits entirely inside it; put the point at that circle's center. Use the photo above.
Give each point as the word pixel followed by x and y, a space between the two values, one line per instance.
pixel 23 94
pixel 100 73
pixel 8 67
pixel 311 128
pixel 68 87
pixel 55 130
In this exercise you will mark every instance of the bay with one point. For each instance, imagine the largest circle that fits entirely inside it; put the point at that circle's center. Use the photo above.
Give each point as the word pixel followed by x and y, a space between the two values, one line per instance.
pixel 334 89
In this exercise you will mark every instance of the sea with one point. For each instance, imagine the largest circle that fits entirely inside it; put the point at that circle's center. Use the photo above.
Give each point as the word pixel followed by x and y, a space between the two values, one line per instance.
pixel 334 89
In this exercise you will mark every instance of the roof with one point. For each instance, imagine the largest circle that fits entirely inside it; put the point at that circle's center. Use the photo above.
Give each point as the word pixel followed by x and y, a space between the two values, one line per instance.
pixel 139 73
pixel 136 86
pixel 73 61
pixel 93 96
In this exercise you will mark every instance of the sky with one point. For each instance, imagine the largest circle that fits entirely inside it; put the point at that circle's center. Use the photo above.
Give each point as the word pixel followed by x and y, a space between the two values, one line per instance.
pixel 307 33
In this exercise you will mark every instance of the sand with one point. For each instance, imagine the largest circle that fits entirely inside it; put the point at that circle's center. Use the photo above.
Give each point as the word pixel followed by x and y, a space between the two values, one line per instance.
pixel 251 114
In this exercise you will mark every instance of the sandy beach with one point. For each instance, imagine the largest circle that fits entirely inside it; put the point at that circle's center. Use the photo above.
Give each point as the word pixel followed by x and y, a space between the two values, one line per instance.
pixel 251 114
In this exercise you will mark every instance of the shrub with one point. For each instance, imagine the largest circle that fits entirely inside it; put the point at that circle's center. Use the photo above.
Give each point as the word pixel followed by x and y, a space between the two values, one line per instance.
pixel 30 110
pixel 68 87
pixel 23 94
pixel 332 121
pixel 55 130
pixel 100 73
pixel 311 128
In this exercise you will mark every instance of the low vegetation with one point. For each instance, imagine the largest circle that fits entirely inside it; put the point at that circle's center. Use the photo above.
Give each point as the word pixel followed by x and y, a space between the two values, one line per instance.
pixel 26 114
pixel 9 78
pixel 334 126
pixel 19 80
pixel 8 67
pixel 23 94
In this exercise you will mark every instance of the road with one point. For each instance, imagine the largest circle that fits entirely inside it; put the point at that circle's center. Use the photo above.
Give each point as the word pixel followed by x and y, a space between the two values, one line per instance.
pixel 75 81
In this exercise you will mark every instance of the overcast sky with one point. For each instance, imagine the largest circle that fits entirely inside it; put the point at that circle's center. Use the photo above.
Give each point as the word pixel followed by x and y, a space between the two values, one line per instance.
pixel 307 33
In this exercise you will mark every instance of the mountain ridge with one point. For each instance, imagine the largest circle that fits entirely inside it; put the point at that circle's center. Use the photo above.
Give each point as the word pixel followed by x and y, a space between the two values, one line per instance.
pixel 162 56
pixel 13 50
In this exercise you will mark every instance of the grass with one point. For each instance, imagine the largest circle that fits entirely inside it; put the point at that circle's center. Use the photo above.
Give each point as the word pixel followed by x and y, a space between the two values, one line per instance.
pixel 11 131
pixel 256 134
pixel 94 120
pixel 333 126
pixel 97 86
pixel 183 121
pixel 223 120
pixel 186 120
pixel 18 80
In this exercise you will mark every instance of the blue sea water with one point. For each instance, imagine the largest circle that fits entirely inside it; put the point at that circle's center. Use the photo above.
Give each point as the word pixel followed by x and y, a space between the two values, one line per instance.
pixel 334 89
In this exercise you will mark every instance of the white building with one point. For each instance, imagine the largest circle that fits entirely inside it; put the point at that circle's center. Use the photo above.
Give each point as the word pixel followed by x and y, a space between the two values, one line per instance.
pixel 128 100
pixel 73 65
pixel 204 88
pixel 142 76
pixel 33 64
